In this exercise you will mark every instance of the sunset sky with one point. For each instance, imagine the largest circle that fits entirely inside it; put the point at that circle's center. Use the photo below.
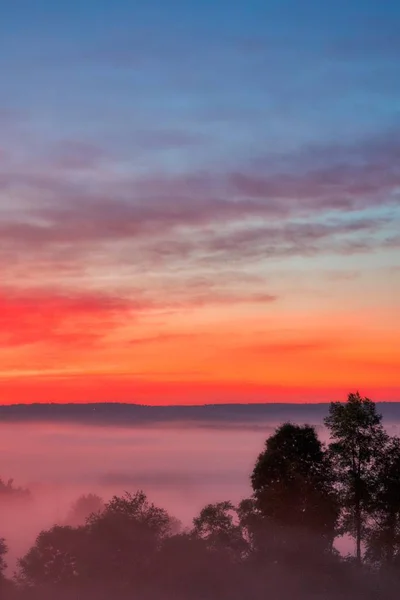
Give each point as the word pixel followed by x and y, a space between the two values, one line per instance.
pixel 199 201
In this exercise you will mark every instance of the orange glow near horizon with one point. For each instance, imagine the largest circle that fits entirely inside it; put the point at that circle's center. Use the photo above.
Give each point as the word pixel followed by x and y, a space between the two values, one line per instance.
pixel 59 349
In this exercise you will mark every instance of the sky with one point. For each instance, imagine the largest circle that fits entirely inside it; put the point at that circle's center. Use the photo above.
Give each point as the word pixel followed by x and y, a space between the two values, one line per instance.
pixel 199 201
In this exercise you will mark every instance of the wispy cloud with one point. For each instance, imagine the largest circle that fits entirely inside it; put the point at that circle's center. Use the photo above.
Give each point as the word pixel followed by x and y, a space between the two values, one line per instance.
pixel 48 317
pixel 76 214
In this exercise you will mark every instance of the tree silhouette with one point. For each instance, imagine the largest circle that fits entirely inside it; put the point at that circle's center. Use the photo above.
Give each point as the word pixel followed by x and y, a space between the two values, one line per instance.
pixel 6 586
pixel 383 537
pixel 116 546
pixel 54 559
pixel 3 552
pixel 357 446
pixel 126 537
pixel 9 492
pixel 188 568
pixel 82 508
pixel 293 488
pixel 135 509
pixel 253 526
pixel 280 539
pixel 219 525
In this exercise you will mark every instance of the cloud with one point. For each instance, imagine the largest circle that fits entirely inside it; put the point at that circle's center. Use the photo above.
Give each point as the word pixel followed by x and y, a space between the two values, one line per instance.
pixel 291 347
pixel 317 201
pixel 76 155
pixel 288 238
pixel 163 338
pixel 29 317
pixel 345 187
pixel 47 317
pixel 99 220
pixel 215 297
pixel 162 139
pixel 251 243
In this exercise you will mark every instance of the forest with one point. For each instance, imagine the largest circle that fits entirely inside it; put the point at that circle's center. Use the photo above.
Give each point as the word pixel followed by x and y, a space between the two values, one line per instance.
pixel 280 543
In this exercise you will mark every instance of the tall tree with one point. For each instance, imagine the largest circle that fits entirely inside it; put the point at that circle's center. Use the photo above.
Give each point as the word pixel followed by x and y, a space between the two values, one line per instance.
pixel 383 538
pixel 357 443
pixel 293 488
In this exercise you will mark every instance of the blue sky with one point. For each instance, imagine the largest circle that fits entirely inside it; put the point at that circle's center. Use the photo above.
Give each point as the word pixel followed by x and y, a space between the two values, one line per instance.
pixel 239 78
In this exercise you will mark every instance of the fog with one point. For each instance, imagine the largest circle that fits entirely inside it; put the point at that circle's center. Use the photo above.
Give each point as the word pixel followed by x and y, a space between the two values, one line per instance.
pixel 181 465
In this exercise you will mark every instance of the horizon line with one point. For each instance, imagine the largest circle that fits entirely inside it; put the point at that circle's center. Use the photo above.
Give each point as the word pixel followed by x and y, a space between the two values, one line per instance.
pixel 203 405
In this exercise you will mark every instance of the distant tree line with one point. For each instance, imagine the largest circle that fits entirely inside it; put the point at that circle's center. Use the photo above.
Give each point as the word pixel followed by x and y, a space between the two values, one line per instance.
pixel 8 491
pixel 278 544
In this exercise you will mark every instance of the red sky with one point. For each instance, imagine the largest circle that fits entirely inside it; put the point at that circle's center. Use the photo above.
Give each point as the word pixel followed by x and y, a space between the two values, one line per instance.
pixel 93 348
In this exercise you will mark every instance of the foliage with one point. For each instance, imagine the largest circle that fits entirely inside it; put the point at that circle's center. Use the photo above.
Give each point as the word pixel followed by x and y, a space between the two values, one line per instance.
pixel 357 446
pixel 82 508
pixel 383 534
pixel 3 552
pixel 9 492
pixel 280 539
pixel 220 526
pixel 54 559
pixel 293 488
pixel 116 545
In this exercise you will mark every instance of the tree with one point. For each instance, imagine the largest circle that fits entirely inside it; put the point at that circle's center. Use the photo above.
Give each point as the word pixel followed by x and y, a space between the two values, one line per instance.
pixel 383 536
pixel 135 509
pixel 358 441
pixel 3 552
pixel 54 559
pixel 219 525
pixel 115 548
pixel 292 484
pixel 82 508
pixel 251 523
pixel 187 567
pixel 125 538
pixel 9 492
